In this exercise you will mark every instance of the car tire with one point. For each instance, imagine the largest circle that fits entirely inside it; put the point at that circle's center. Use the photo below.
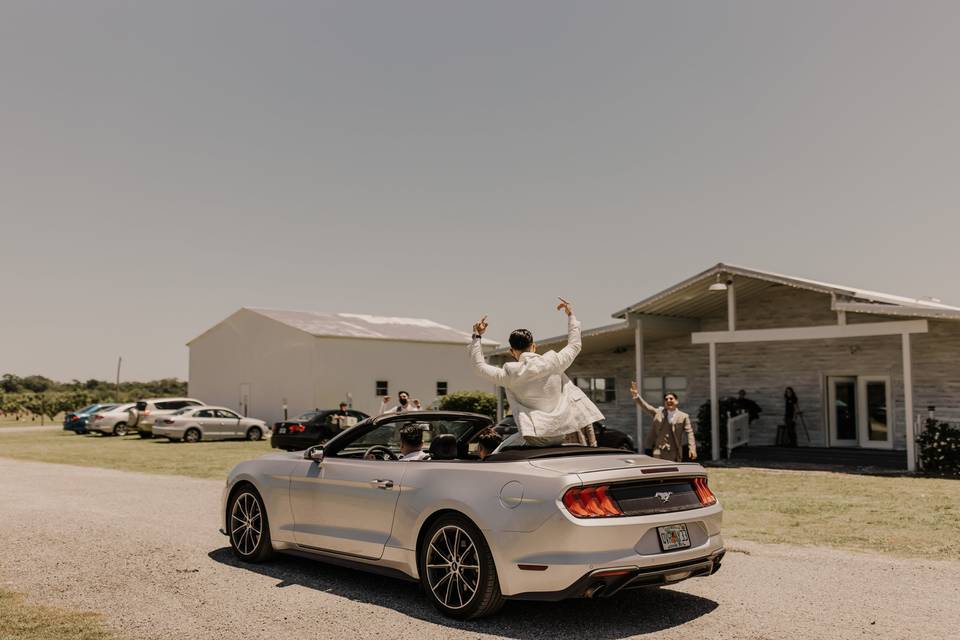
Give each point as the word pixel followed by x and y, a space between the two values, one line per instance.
pixel 454 557
pixel 254 433
pixel 191 435
pixel 145 434
pixel 248 526
pixel 120 429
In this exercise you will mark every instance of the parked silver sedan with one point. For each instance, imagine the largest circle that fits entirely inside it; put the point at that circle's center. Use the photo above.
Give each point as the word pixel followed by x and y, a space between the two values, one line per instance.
pixel 523 523
pixel 192 424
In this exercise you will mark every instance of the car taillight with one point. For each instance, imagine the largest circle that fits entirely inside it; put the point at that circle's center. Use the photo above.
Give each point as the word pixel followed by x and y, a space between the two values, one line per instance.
pixel 145 412
pixel 591 502
pixel 297 428
pixel 703 492
pixel 276 425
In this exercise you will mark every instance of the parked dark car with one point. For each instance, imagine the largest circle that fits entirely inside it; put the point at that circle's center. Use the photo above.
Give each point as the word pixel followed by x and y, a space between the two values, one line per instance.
pixel 606 437
pixel 76 421
pixel 313 427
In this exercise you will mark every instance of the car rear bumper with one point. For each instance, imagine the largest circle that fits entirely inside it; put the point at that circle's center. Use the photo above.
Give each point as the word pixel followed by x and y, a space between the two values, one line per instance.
pixel 553 561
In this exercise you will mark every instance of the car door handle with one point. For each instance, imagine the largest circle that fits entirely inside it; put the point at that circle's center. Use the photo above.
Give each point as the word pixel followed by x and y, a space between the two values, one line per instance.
pixel 382 484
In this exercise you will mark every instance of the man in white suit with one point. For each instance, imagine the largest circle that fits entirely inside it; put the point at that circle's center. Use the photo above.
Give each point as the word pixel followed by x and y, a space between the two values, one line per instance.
pixel 546 405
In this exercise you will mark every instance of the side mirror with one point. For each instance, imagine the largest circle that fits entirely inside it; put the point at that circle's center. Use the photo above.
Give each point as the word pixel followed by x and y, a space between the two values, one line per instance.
pixel 314 453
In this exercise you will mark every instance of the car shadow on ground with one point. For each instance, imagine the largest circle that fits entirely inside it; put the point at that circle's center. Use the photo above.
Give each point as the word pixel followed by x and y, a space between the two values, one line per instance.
pixel 627 614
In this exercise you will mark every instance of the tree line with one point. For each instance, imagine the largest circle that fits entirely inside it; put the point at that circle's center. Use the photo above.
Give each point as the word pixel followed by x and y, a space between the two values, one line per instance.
pixel 40 396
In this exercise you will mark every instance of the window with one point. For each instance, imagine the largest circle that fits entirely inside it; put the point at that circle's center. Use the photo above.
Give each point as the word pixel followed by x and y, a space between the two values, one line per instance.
pixel 229 415
pixel 599 390
pixel 383 388
pixel 441 387
pixel 654 387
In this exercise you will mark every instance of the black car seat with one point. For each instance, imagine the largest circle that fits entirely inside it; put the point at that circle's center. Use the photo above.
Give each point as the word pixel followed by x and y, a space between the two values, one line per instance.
pixel 444 447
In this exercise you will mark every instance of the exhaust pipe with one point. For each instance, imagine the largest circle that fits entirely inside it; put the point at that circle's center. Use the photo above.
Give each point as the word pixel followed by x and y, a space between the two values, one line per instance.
pixel 594 590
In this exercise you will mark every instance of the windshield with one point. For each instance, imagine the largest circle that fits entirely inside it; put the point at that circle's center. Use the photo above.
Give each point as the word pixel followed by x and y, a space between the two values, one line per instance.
pixel 88 409
pixel 389 434
pixel 183 411
pixel 308 416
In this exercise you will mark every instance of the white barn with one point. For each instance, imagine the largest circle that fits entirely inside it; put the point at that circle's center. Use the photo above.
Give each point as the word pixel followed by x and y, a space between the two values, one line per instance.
pixel 257 360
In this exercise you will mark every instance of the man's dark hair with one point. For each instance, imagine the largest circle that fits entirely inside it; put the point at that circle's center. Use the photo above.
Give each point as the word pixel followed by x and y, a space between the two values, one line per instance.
pixel 343 404
pixel 521 339
pixel 403 392
pixel 411 434
pixel 671 393
pixel 489 440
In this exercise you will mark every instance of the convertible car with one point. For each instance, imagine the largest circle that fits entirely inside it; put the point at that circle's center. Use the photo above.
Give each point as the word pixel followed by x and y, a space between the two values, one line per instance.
pixel 523 523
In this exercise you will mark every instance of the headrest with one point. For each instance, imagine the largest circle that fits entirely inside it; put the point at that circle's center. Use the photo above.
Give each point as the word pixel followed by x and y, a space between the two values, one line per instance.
pixel 443 447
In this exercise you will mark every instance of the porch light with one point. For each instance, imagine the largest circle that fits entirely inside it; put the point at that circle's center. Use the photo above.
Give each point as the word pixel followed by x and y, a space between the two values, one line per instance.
pixel 717 286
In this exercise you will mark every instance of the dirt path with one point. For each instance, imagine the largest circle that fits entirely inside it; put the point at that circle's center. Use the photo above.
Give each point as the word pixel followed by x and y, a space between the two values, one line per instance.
pixel 145 551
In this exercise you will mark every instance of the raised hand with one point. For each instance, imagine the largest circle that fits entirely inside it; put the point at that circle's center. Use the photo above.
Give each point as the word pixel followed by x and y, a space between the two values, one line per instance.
pixel 481 326
pixel 567 309
pixel 386 399
pixel 634 392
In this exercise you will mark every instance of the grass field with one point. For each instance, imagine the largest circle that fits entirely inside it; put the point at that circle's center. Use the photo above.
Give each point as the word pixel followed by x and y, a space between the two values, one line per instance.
pixel 22 621
pixel 9 421
pixel 906 516
pixel 132 453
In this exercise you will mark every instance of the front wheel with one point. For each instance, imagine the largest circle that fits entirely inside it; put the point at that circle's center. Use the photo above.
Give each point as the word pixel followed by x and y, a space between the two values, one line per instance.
pixel 254 433
pixel 457 569
pixel 120 429
pixel 249 529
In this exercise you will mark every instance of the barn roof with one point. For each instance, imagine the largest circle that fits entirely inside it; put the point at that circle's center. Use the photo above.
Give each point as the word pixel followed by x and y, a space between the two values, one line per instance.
pixel 359 325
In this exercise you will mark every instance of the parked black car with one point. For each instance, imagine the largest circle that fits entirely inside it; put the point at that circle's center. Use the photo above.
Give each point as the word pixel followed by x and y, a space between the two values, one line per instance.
pixel 313 427
pixel 606 437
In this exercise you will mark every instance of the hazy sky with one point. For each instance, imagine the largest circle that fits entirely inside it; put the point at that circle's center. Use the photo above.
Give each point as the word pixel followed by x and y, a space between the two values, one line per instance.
pixel 164 163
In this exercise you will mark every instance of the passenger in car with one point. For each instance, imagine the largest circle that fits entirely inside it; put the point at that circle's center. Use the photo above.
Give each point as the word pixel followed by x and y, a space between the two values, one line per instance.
pixel 547 405
pixel 487 442
pixel 411 443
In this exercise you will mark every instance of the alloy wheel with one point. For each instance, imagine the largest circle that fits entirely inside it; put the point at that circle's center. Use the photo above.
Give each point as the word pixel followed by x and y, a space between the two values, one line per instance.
pixel 246 523
pixel 453 567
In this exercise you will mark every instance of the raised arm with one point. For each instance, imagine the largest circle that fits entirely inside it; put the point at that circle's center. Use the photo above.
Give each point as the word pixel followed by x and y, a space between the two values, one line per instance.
pixel 647 408
pixel 488 372
pixel 691 440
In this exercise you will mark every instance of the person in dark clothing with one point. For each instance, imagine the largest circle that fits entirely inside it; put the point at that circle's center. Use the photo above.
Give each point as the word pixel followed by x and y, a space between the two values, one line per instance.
pixel 790 412
pixel 743 404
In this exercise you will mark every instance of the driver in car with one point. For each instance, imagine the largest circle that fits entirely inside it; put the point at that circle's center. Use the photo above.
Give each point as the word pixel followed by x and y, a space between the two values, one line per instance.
pixel 411 444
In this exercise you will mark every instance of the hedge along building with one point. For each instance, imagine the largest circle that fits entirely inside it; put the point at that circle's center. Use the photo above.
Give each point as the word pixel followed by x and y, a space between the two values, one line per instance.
pixel 863 364
pixel 258 360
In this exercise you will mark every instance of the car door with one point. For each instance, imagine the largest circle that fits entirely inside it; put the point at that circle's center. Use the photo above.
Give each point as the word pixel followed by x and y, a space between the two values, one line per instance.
pixel 345 505
pixel 207 421
pixel 230 423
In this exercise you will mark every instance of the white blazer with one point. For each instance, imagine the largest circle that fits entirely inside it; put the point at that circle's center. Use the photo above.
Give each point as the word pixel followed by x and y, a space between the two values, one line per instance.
pixel 543 400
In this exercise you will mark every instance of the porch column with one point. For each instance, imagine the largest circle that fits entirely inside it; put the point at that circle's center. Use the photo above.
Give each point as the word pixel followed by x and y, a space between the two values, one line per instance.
pixel 638 344
pixel 908 402
pixel 714 405
pixel 499 393
pixel 731 307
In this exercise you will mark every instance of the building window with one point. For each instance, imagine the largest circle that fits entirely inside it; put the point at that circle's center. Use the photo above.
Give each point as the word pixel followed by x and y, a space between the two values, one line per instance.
pixel 441 387
pixel 599 390
pixel 654 387
pixel 383 388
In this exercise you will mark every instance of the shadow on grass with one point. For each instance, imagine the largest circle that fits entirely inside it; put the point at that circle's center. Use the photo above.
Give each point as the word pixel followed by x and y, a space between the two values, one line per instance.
pixel 630 613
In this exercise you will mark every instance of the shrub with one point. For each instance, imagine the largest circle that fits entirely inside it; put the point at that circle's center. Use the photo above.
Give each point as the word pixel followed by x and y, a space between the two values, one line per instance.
pixel 939 448
pixel 471 401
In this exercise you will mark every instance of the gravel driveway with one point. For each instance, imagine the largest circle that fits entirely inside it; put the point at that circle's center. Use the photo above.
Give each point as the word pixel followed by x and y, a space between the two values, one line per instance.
pixel 145 551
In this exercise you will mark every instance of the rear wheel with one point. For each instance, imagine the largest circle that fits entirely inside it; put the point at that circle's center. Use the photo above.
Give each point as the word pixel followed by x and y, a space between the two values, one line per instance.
pixel 249 529
pixel 120 429
pixel 191 435
pixel 457 569
pixel 254 433
pixel 145 434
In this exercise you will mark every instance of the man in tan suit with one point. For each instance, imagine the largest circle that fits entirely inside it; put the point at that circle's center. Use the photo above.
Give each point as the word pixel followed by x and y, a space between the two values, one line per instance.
pixel 670 427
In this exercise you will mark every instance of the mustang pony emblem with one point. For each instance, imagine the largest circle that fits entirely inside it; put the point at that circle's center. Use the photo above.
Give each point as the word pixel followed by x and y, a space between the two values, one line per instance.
pixel 663 495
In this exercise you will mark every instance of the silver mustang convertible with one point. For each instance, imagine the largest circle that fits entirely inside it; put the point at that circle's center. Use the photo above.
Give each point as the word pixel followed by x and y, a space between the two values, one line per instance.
pixel 526 523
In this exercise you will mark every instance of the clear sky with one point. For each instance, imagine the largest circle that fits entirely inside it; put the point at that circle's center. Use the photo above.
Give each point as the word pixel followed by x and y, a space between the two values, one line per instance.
pixel 164 163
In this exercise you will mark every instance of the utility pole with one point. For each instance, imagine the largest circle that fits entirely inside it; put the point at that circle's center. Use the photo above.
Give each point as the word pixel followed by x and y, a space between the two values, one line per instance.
pixel 119 360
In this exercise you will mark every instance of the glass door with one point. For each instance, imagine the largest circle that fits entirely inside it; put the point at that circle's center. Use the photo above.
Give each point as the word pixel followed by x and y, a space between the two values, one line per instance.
pixel 843 410
pixel 876 412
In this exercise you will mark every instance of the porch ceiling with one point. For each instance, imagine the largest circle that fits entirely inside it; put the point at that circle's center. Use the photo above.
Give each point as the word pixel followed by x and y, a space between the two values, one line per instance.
pixel 695 300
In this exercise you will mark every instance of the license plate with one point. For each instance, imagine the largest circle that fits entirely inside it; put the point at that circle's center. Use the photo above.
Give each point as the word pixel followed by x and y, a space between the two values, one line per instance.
pixel 674 536
pixel 282 430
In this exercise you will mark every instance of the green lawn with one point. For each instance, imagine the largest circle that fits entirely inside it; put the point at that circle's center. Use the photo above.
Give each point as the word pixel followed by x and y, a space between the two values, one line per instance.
pixel 132 453
pixel 9 421
pixel 917 517
pixel 22 621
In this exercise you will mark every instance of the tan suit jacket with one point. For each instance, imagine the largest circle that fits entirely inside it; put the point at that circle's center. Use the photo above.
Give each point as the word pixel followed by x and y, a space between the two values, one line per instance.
pixel 667 438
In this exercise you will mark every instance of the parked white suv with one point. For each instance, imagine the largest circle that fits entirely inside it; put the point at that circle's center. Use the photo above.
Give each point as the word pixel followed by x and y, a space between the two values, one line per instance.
pixel 113 422
pixel 143 414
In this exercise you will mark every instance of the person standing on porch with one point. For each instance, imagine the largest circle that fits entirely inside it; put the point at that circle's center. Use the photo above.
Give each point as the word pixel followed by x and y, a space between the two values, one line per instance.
pixel 669 429
pixel 790 413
